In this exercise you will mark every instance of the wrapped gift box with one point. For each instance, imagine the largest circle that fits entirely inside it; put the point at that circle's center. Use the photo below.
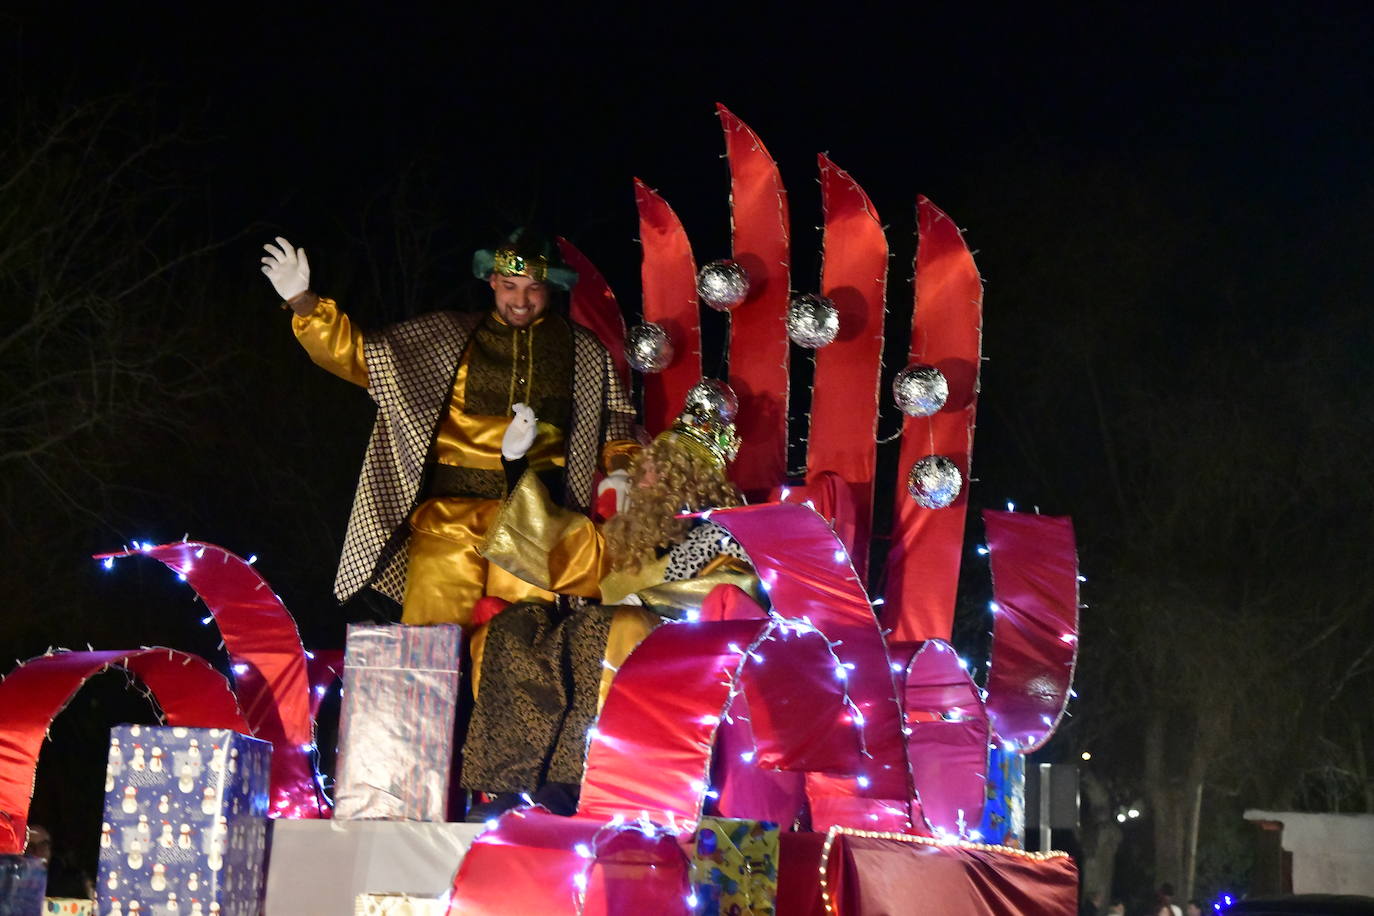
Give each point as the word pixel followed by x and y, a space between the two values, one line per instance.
pixel 320 866
pixel 70 906
pixel 185 825
pixel 1004 813
pixel 23 881
pixel 735 867
pixel 399 905
pixel 396 725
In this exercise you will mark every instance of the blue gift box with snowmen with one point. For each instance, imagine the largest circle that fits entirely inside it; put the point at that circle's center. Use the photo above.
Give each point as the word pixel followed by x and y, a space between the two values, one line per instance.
pixel 185 826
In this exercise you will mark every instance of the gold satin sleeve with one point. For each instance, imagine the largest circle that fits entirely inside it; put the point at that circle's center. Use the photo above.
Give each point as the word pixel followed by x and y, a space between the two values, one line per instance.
pixel 332 341
pixel 617 454
pixel 546 545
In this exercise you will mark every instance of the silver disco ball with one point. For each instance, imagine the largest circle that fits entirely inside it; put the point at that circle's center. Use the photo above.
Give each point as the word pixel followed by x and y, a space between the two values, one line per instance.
pixel 812 321
pixel 648 348
pixel 934 482
pixel 722 285
pixel 920 390
pixel 712 398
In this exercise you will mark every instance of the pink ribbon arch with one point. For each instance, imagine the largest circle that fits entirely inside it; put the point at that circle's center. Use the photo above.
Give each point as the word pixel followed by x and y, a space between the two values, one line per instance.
pixel 536 862
pixel 809 577
pixel 190 692
pixel 271 676
pixel 948 735
pixel 1034 562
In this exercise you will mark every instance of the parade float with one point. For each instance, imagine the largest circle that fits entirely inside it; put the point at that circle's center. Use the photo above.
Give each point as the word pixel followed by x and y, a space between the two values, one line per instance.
pixel 824 751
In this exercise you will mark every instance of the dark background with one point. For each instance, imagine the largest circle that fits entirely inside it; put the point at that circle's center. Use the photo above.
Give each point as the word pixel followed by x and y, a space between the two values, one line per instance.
pixel 1170 208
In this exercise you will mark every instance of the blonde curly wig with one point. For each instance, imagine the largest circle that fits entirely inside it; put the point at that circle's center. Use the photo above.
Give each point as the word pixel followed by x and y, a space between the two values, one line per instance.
pixel 682 480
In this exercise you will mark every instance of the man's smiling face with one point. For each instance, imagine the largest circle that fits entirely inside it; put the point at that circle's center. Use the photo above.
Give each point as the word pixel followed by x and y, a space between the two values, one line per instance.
pixel 519 300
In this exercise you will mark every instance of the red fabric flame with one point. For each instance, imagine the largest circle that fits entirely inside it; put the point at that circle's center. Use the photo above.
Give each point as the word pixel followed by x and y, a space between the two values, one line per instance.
pixel 758 208
pixel 594 307
pixel 844 399
pixel 190 692
pixel 270 674
pixel 1035 627
pixel 536 862
pixel 923 565
pixel 670 299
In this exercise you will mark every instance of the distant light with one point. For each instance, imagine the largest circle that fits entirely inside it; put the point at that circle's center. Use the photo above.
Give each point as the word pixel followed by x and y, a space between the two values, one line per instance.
pixel 108 562
pixel 1087 755
pixel 1011 506
pixel 1133 813
pixel 1121 818
pixel 880 600
pixel 983 550
pixel 252 559
pixel 863 782
pixel 583 850
pixel 839 555
pixel 992 606
pixel 207 620
pixel 747 756
pixel 240 668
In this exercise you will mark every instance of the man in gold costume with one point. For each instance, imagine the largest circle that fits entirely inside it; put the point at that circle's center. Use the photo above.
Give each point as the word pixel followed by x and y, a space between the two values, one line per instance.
pixel 445 385
pixel 646 565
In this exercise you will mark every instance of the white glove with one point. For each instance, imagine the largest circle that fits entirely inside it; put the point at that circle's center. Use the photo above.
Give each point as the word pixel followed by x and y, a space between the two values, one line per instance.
pixel 619 481
pixel 287 268
pixel 519 434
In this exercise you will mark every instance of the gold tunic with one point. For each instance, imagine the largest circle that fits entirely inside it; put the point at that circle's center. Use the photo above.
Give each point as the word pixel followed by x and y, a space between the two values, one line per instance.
pixel 501 366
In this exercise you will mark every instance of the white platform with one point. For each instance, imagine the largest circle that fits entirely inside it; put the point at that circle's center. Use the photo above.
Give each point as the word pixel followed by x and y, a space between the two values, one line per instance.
pixel 1332 853
pixel 319 867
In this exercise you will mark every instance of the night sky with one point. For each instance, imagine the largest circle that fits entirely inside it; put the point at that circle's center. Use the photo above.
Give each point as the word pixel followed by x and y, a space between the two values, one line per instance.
pixel 1145 186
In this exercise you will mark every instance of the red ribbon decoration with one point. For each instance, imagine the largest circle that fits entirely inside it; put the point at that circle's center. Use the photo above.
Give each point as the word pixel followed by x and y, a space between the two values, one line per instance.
pixel 1035 626
pixel 844 398
pixel 190 692
pixel 594 306
pixel 670 299
pixel 948 741
pixel 759 224
pixel 536 862
pixel 270 673
pixel 923 565
pixel 808 576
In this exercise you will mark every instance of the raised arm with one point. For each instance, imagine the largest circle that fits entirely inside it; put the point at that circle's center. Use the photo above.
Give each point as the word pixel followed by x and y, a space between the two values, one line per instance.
pixel 326 333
